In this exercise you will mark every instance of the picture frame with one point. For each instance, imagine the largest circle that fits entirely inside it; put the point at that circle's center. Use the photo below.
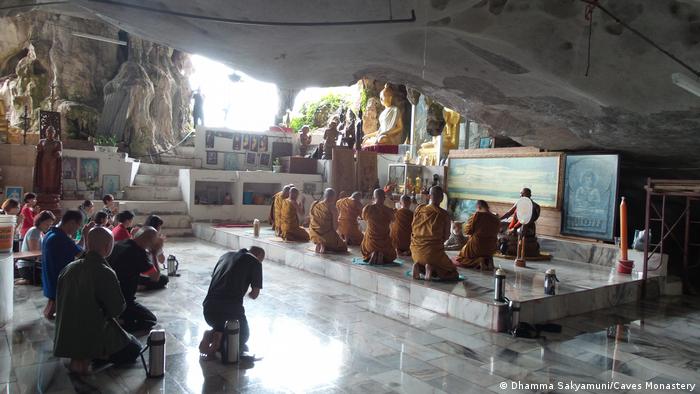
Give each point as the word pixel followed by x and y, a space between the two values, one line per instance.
pixel 70 168
pixel 251 158
pixel 264 160
pixel 486 142
pixel 70 185
pixel 246 142
pixel 89 170
pixel 15 192
pixel 254 142
pixel 263 144
pixel 591 185
pixel 209 139
pixel 236 145
pixel 231 161
pixel 212 157
pixel 110 184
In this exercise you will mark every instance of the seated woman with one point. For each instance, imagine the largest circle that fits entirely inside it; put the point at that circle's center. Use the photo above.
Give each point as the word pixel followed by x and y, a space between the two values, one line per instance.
pixel 86 209
pixel 121 230
pixel 32 243
pixel 101 220
pixel 482 230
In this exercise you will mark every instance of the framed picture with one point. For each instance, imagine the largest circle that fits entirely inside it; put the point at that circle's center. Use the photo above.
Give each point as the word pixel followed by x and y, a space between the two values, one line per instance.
pixel 236 141
pixel 231 161
pixel 90 170
pixel 486 142
pixel 209 139
pixel 246 142
pixel 251 158
pixel 70 185
pixel 262 146
pixel 223 134
pixel 254 142
pixel 70 168
pixel 15 192
pixel 590 196
pixel 212 157
pixel 264 160
pixel 110 184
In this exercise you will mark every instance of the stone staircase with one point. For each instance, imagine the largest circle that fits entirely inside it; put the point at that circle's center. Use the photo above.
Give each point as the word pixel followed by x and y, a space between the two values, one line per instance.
pixel 181 156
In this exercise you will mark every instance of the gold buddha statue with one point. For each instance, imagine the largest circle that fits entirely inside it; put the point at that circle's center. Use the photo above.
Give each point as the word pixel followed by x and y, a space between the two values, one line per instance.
pixel 390 124
pixel 450 137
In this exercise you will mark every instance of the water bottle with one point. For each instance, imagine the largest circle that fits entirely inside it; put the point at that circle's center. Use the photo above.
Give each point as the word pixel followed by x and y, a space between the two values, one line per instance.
pixel 156 353
pixel 229 351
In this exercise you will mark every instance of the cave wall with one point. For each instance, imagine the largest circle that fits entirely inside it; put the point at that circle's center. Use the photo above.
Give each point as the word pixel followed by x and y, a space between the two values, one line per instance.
pixel 38 50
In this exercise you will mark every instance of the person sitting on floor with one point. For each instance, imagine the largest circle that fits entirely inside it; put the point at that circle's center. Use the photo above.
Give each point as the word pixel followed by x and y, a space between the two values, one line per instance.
pixel 86 208
pixel 401 227
pixel 111 207
pixel 322 227
pixel 58 249
pixel 88 302
pixel 129 260
pixel 289 221
pixel 121 231
pixel 431 228
pixel 233 274
pixel 276 208
pixel 158 257
pixel 101 220
pixel 482 230
pixel 27 213
pixel 349 210
pixel 376 244
pixel 32 243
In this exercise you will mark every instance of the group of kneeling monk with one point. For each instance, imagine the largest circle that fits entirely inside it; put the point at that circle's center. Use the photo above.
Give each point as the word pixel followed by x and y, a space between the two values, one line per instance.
pixel 389 232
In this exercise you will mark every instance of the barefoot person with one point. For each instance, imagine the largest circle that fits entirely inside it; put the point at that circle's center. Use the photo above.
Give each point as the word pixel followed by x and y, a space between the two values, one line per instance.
pixel 88 302
pixel 276 208
pixel 349 209
pixel 289 220
pixel 322 226
pixel 431 228
pixel 376 245
pixel 401 227
pixel 233 275
pixel 482 229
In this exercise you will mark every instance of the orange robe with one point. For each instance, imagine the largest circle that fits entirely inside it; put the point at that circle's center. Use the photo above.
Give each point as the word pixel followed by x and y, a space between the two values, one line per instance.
pixel 431 227
pixel 377 238
pixel 322 229
pixel 275 210
pixel 482 229
pixel 401 230
pixel 289 223
pixel 348 212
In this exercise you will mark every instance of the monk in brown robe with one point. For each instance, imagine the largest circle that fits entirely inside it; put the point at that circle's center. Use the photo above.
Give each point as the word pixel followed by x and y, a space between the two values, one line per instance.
pixel 349 209
pixel 289 221
pixel 322 229
pixel 431 228
pixel 482 230
pixel 276 207
pixel 401 227
pixel 376 244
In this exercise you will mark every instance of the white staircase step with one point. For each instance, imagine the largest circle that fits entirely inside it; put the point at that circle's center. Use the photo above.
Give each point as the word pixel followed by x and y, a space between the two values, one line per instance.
pixel 159 169
pixel 177 232
pixel 178 161
pixel 185 151
pixel 169 221
pixel 145 208
pixel 156 180
pixel 153 193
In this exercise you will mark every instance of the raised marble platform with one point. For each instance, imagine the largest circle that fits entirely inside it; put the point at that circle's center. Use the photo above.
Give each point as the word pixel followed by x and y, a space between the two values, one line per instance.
pixel 584 287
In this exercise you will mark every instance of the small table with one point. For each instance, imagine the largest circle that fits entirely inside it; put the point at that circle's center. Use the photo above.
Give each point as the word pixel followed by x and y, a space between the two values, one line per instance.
pixel 35 255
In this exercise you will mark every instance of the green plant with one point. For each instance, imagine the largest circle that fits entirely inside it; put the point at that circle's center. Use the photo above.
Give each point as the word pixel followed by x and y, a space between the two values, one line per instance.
pixel 316 113
pixel 106 140
pixel 276 162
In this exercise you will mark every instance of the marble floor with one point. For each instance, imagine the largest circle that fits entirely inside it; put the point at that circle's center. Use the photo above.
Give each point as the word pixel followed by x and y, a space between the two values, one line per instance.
pixel 320 336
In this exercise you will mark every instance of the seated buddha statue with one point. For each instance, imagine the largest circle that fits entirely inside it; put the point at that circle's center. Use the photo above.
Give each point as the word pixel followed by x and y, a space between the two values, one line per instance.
pixel 450 135
pixel 390 124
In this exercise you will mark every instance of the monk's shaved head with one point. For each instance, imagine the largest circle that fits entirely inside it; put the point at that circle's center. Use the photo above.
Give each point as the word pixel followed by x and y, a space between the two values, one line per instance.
pixel 146 237
pixel 379 196
pixel 406 200
pixel 100 240
pixel 293 193
pixel 436 195
pixel 329 194
pixel 356 196
pixel 286 189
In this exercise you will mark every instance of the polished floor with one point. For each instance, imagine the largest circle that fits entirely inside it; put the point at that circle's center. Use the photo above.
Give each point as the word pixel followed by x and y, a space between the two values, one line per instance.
pixel 317 335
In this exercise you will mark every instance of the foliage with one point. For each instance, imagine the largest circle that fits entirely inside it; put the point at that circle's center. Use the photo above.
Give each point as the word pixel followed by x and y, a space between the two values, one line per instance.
pixel 106 140
pixel 363 99
pixel 316 113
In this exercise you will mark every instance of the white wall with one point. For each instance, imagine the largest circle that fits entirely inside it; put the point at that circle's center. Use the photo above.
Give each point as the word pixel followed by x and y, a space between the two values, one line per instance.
pixel 110 164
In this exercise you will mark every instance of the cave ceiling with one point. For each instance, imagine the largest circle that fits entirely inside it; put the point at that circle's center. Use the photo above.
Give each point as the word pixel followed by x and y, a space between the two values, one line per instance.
pixel 516 65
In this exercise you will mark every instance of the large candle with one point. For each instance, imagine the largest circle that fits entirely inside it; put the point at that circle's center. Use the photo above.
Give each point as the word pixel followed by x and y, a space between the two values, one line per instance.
pixel 623 229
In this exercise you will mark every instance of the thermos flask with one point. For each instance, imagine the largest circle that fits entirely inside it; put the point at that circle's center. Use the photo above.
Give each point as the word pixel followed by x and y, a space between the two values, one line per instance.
pixel 156 353
pixel 229 353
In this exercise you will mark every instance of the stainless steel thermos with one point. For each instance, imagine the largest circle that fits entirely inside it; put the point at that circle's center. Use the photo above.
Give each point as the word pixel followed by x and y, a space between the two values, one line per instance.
pixel 230 350
pixel 156 353
pixel 499 285
pixel 173 265
pixel 550 279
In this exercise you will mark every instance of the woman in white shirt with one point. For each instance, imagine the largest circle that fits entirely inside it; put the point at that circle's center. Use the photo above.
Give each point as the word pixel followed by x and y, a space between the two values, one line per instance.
pixel 32 243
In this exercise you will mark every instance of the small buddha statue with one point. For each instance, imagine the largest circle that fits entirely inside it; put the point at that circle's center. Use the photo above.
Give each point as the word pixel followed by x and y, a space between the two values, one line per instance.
pixel 390 124
pixel 450 136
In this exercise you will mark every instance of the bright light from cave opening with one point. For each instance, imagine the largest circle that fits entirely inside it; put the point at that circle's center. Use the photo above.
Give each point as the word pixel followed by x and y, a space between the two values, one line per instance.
pixel 247 104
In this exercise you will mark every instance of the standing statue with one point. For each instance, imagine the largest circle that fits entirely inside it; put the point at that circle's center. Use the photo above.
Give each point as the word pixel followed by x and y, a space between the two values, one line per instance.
pixel 359 133
pixel 390 124
pixel 304 140
pixel 48 170
pixel 348 131
pixel 329 138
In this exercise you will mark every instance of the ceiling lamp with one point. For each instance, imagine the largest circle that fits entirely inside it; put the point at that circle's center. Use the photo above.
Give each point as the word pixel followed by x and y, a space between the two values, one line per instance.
pixel 687 83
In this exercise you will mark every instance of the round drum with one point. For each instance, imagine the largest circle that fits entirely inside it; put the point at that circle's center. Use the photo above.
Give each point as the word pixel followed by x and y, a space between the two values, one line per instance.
pixel 524 210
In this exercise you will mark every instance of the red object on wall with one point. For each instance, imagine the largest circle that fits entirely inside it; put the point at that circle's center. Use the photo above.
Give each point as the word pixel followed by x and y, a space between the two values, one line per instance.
pixel 388 149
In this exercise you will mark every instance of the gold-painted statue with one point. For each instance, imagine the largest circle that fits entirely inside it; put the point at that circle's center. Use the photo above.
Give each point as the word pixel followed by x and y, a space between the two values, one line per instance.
pixel 390 124
pixel 450 137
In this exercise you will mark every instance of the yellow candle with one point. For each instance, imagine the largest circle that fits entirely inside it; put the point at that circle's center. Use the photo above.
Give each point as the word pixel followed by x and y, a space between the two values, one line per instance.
pixel 623 229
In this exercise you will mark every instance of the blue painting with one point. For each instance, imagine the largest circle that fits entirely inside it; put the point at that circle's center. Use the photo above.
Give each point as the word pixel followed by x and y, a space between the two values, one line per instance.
pixel 462 210
pixel 590 193
pixel 500 179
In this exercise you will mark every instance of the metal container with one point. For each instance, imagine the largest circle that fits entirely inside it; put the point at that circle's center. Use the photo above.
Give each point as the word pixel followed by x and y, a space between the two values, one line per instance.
pixel 514 307
pixel 550 279
pixel 256 227
pixel 156 353
pixel 230 350
pixel 173 265
pixel 499 285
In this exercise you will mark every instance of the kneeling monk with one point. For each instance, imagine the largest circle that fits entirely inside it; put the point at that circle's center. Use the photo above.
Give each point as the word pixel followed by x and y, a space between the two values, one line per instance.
pixel 276 207
pixel 376 244
pixel 349 209
pixel 289 221
pixel 322 228
pixel 431 227
pixel 482 230
pixel 401 227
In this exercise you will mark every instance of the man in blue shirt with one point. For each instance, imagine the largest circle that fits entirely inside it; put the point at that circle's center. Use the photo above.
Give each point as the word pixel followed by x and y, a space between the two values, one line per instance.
pixel 58 249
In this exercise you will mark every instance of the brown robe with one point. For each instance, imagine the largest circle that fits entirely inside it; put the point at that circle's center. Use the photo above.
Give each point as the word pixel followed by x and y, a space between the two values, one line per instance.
pixel 482 229
pixel 401 230
pixel 322 229
pixel 431 228
pixel 377 238
pixel 348 212
pixel 289 223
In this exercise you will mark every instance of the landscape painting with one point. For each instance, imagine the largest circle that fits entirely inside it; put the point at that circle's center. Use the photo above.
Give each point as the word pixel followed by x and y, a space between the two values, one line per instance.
pixel 500 179
pixel 590 196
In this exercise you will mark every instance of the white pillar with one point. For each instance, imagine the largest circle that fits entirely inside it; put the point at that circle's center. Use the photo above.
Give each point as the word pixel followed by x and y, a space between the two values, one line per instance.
pixel 6 288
